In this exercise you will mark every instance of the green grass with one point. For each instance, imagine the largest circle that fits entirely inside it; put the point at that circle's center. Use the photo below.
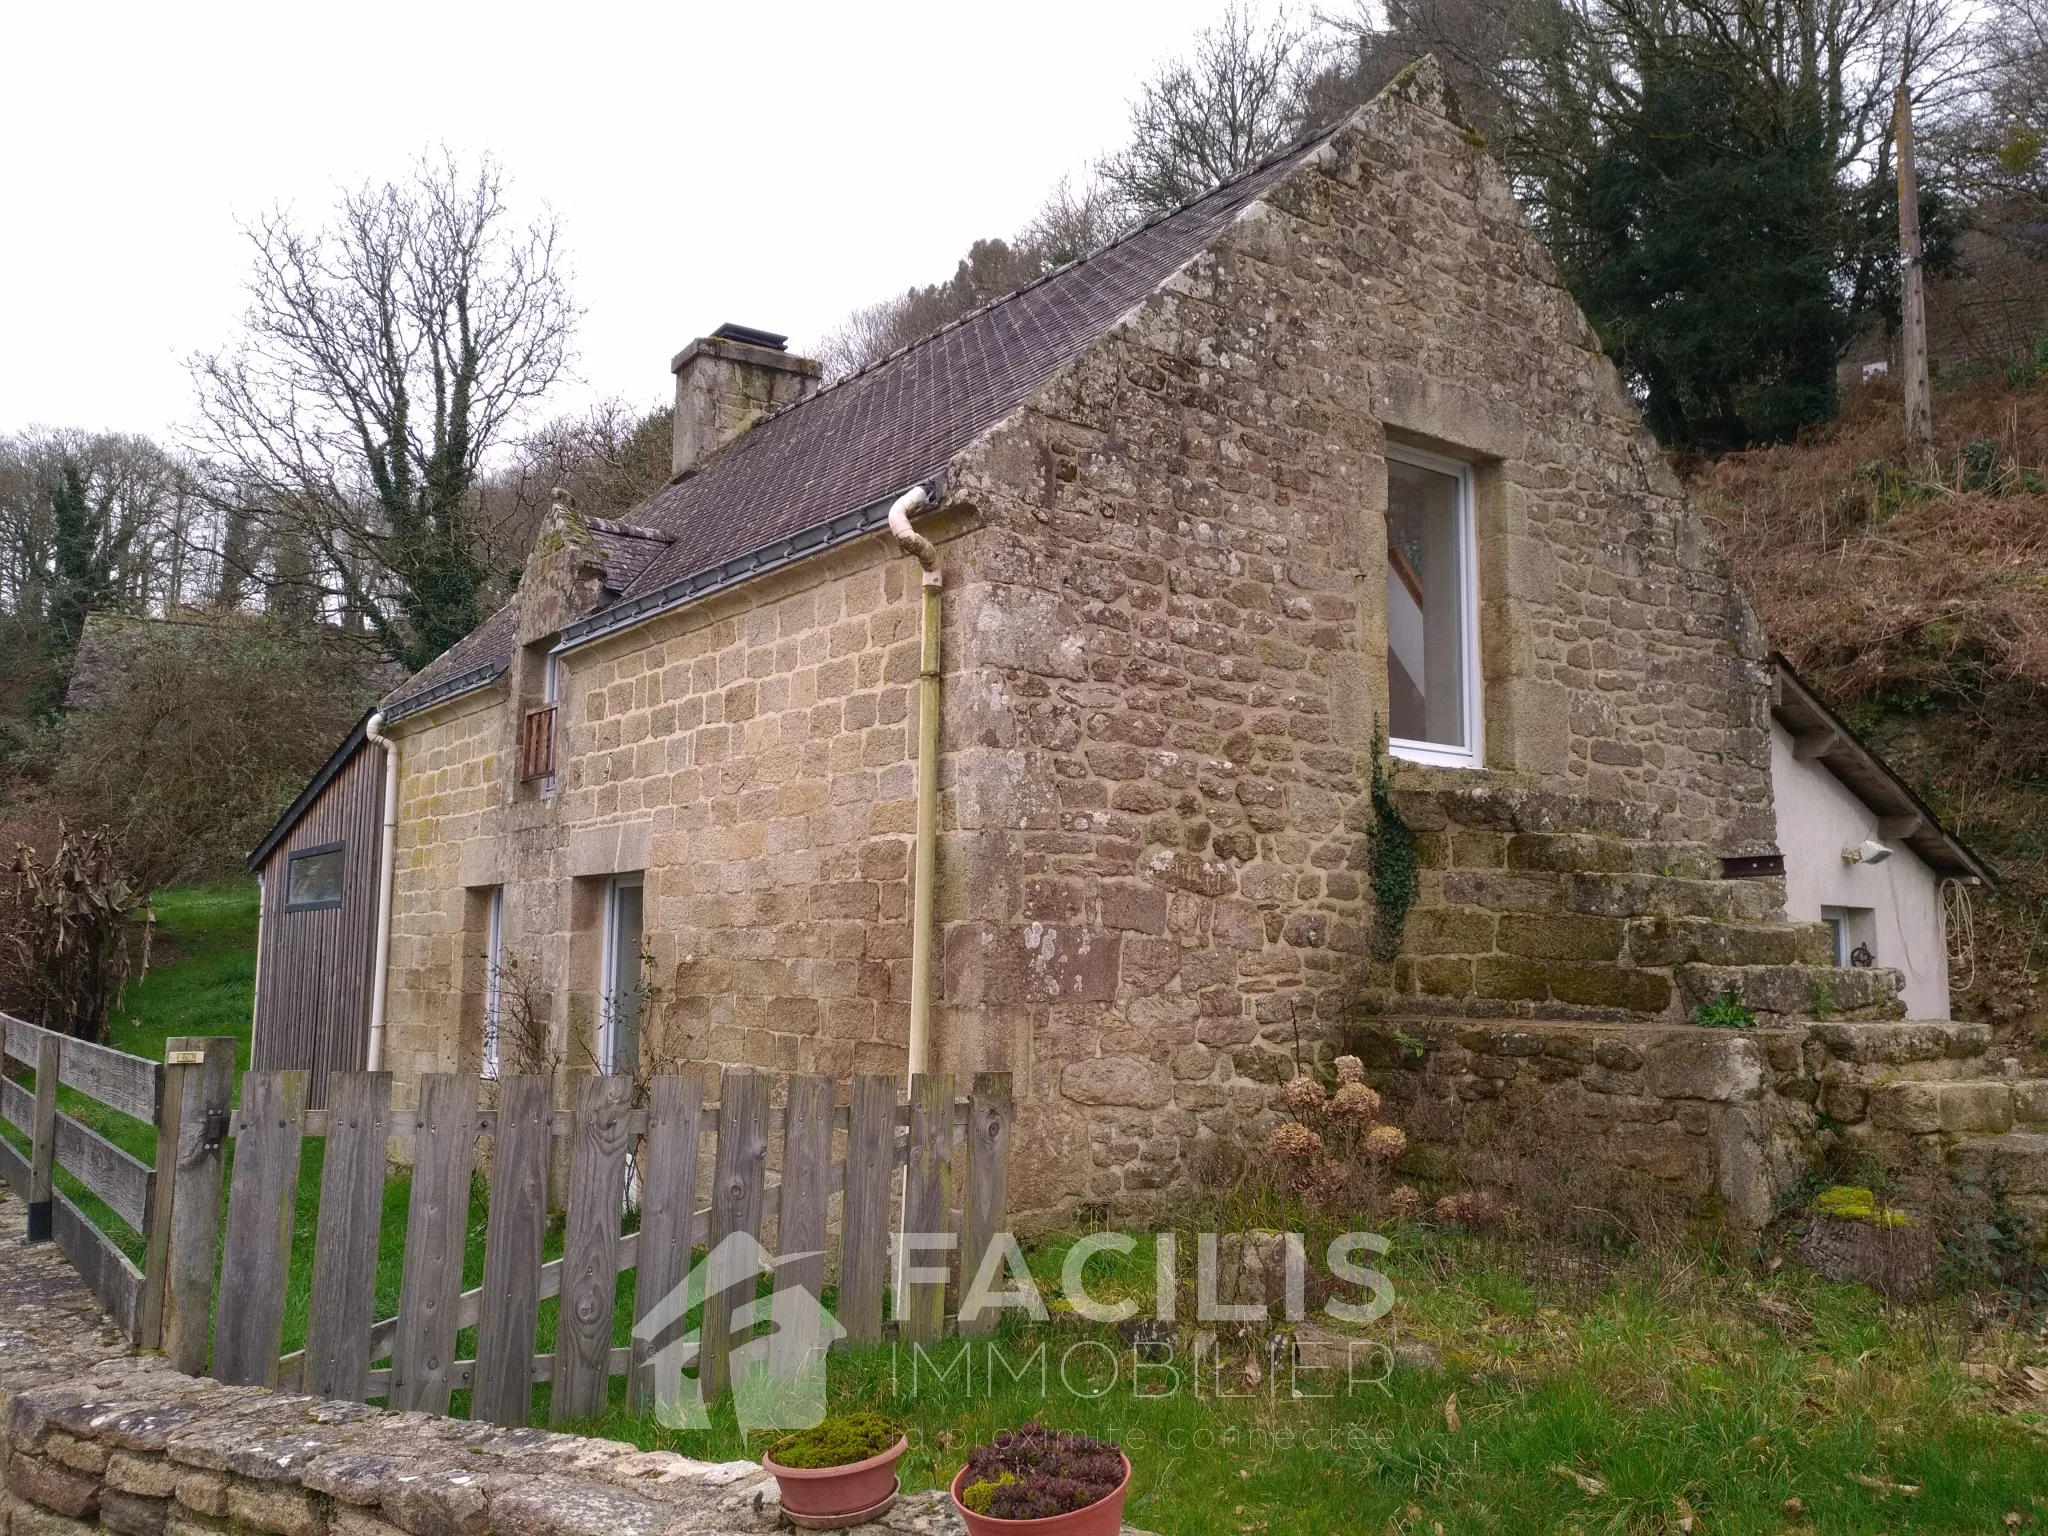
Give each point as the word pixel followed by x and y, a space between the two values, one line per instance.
pixel 201 981
pixel 1672 1388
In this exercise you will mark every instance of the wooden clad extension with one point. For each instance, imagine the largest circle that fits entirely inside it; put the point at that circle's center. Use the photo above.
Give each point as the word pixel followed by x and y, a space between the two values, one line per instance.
pixel 313 975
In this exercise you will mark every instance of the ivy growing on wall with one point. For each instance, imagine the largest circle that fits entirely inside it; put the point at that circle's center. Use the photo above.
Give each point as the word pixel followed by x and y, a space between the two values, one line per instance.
pixel 1390 849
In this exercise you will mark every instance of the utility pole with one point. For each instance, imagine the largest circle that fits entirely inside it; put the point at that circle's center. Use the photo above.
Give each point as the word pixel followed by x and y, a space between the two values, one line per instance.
pixel 1913 298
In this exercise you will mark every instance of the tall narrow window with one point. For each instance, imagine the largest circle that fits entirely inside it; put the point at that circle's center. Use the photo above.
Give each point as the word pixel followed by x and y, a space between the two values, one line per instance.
pixel 494 979
pixel 622 986
pixel 1432 620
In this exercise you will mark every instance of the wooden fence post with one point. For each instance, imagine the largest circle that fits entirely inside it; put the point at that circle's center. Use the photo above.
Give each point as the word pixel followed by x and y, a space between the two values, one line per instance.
pixel 43 1163
pixel 983 1207
pixel 800 1226
pixel 668 1206
pixel 261 1205
pixel 503 1384
pixel 927 1198
pixel 739 1175
pixel 436 1230
pixel 344 1299
pixel 590 1248
pixel 156 1262
pixel 189 1185
pixel 870 1170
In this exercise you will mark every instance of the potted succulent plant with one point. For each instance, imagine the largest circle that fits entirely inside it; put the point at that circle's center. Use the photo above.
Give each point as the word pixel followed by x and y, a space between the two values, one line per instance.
pixel 1036 1481
pixel 838 1473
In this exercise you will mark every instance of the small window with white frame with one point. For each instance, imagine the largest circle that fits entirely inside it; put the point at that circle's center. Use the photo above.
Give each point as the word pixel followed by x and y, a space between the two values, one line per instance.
pixel 494 980
pixel 622 987
pixel 1433 686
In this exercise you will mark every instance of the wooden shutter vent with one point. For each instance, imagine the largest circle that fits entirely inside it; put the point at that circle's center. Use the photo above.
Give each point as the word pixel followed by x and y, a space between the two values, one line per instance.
pixel 537 744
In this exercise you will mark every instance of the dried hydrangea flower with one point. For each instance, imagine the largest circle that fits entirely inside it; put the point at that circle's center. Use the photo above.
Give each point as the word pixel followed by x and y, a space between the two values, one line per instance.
pixel 1357 1101
pixel 1303 1096
pixel 1384 1143
pixel 1350 1070
pixel 1404 1202
pixel 1294 1140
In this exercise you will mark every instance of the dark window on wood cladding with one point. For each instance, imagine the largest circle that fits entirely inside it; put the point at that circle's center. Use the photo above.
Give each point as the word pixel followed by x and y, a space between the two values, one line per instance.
pixel 312 878
pixel 537 744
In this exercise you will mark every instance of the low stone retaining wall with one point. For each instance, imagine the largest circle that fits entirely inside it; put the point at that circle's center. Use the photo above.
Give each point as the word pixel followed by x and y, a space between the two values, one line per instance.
pixel 1717 1122
pixel 98 1439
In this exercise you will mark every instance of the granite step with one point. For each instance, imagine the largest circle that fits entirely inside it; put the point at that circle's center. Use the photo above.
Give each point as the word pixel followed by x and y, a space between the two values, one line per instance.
pixel 1796 991
pixel 1973 1107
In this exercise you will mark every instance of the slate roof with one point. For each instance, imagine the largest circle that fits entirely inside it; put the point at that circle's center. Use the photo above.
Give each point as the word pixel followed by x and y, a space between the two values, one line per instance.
pixel 794 482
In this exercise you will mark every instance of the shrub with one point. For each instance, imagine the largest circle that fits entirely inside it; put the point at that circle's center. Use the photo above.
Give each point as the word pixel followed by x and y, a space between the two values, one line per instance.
pixel 839 1441
pixel 1333 1139
pixel 1033 1472
pixel 69 933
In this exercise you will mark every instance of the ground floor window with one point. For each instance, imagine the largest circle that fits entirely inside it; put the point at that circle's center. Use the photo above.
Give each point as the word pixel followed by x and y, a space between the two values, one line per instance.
pixel 623 987
pixel 1432 610
pixel 494 977
pixel 1854 932
pixel 313 878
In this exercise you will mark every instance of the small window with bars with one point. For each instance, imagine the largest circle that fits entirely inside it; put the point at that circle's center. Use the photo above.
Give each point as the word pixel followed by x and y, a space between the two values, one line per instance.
pixel 537 744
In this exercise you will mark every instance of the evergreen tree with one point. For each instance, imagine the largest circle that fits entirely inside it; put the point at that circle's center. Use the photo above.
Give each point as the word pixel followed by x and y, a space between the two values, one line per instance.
pixel 86 546
pixel 1705 238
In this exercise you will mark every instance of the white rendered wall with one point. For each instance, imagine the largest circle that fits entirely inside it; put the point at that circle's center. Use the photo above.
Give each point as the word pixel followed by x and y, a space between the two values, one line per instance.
pixel 1817 818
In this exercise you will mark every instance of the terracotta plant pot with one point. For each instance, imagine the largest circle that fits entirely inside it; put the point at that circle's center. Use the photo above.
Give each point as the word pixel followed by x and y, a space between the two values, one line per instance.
pixel 822 1492
pixel 1105 1517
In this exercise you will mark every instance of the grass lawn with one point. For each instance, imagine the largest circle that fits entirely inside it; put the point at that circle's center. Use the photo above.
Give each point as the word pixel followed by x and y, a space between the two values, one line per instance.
pixel 1653 1391
pixel 1666 1392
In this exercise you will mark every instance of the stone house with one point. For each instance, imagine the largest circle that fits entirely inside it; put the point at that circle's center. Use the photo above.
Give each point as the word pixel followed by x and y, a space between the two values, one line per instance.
pixel 1323 463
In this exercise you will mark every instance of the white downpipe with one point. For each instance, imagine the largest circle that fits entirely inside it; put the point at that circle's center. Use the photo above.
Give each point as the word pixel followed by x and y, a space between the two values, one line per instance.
pixel 921 549
pixel 387 852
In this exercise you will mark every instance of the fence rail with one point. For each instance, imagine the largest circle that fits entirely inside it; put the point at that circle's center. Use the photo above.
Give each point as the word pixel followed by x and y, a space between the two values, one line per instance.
pixel 600 1147
pixel 134 1190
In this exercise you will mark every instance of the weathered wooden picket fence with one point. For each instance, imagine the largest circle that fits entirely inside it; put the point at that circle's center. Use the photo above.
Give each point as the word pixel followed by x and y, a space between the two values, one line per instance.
pixel 174 1205
pixel 602 1137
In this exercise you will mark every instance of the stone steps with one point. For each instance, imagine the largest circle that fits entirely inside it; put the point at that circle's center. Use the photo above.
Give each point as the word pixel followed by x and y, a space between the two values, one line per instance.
pixel 2016 1161
pixel 1796 991
pixel 1983 1106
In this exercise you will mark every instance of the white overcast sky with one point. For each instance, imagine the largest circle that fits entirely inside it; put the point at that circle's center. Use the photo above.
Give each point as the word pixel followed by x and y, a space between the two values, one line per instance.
pixel 774 165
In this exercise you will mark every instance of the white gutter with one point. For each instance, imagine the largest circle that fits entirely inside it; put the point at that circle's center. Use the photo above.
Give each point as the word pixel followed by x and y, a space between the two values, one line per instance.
pixel 387 852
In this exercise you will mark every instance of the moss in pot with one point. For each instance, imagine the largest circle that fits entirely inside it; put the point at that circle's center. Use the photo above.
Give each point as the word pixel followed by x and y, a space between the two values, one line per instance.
pixel 839 1472
pixel 1037 1480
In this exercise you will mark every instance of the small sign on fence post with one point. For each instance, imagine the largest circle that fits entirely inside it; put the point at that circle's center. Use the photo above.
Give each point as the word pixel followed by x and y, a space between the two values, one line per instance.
pixel 188 1195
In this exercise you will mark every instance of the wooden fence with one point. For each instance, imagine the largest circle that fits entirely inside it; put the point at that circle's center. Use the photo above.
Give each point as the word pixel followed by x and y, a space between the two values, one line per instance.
pixel 851 1151
pixel 173 1204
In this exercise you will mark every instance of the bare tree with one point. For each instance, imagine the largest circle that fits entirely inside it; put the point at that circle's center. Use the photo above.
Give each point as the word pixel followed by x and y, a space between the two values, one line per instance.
pixel 1234 100
pixel 383 358
pixel 1069 225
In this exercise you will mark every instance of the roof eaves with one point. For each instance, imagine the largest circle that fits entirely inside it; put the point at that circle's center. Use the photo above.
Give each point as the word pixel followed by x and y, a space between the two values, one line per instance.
pixel 350 744
pixel 772 556
pixel 463 682
pixel 1850 759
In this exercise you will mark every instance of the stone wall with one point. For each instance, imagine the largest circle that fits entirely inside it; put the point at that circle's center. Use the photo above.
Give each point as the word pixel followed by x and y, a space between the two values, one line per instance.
pixel 1160 739
pixel 1710 1123
pixel 754 756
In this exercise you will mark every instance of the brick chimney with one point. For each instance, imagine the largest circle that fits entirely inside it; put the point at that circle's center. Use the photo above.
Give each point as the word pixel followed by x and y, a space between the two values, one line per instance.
pixel 726 381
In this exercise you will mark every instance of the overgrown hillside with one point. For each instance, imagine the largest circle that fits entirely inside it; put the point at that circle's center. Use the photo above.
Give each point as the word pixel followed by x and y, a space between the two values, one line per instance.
pixel 1915 595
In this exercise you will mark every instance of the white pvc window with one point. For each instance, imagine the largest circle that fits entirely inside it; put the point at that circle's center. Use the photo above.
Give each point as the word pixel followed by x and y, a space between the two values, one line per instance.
pixel 1432 611
pixel 622 985
pixel 494 980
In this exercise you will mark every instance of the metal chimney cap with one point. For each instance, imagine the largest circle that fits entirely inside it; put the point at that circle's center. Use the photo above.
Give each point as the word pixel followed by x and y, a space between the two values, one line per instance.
pixel 747 335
